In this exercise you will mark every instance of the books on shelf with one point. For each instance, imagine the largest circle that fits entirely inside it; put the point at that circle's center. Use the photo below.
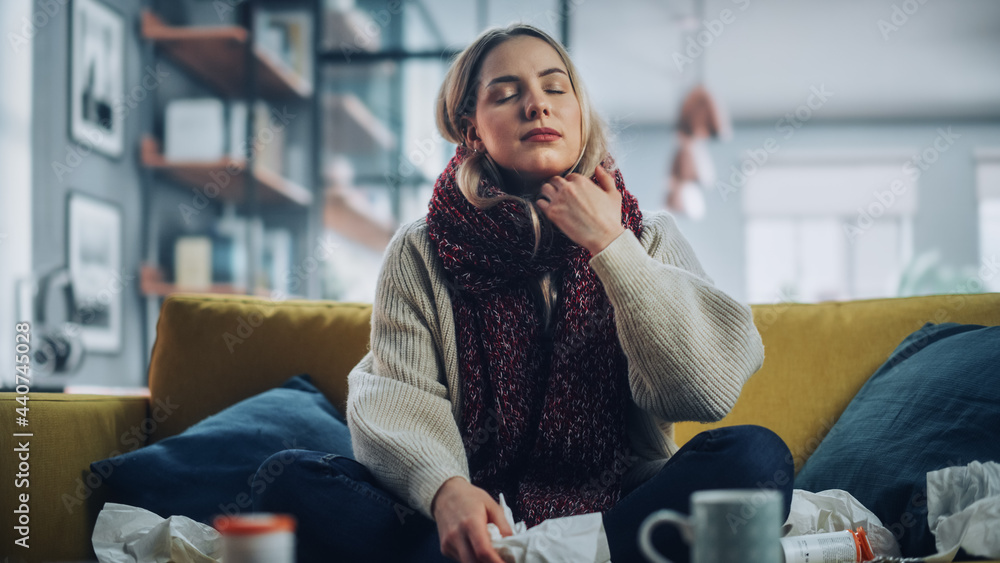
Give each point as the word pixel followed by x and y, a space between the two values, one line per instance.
pixel 219 258
pixel 268 141
pixel 206 144
pixel 277 263
pixel 209 130
pixel 236 119
pixel 286 35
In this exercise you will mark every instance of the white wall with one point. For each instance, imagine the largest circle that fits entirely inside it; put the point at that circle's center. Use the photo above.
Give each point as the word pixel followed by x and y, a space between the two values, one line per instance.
pixel 15 162
pixel 91 173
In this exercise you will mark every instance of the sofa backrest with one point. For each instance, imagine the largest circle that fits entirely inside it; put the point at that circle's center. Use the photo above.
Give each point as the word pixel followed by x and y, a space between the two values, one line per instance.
pixel 212 351
pixel 817 357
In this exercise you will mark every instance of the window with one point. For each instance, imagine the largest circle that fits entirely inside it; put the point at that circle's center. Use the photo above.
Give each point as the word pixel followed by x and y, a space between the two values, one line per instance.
pixel 824 226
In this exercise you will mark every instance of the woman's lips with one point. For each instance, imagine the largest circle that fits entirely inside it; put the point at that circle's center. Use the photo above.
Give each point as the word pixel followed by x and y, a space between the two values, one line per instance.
pixel 542 135
pixel 542 138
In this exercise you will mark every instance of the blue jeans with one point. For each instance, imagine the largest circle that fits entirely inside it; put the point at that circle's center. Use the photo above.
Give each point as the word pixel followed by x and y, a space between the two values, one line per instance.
pixel 344 515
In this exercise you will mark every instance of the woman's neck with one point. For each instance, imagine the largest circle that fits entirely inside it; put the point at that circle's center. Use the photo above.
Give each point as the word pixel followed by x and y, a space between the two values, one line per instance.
pixel 516 184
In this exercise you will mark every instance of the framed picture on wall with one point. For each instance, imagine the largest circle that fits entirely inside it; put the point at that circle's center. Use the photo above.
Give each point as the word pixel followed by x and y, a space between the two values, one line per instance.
pixel 94 258
pixel 97 68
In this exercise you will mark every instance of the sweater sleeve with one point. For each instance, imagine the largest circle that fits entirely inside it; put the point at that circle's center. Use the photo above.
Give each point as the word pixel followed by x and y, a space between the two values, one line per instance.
pixel 690 346
pixel 398 412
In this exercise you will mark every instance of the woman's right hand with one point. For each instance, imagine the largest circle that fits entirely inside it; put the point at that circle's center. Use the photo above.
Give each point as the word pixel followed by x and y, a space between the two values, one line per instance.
pixel 462 511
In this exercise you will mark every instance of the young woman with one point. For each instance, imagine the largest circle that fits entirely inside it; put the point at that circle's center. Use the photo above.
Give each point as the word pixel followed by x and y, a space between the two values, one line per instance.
pixel 534 335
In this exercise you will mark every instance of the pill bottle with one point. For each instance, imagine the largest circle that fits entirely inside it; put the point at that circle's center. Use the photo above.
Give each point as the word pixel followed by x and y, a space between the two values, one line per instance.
pixel 257 538
pixel 846 546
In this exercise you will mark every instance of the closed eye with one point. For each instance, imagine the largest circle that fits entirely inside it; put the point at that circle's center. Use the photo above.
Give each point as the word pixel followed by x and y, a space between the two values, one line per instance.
pixel 502 100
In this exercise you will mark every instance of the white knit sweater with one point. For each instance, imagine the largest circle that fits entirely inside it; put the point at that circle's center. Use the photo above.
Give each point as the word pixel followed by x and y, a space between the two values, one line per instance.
pixel 690 349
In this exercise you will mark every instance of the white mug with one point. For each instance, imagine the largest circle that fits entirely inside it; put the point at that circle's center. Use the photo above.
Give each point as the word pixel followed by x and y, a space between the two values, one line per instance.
pixel 725 525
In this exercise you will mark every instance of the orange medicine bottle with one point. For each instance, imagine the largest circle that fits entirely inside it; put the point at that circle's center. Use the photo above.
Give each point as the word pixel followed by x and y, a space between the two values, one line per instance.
pixel 846 546
pixel 257 538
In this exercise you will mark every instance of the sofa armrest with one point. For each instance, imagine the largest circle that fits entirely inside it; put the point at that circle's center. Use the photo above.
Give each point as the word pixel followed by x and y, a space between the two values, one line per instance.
pixel 64 498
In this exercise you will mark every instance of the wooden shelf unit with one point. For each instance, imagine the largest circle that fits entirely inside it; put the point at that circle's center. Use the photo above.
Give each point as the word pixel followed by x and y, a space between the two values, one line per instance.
pixel 272 188
pixel 215 54
pixel 151 283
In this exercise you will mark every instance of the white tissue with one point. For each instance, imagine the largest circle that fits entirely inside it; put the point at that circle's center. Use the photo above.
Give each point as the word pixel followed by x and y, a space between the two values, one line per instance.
pixel 571 539
pixel 963 509
pixel 834 510
pixel 128 534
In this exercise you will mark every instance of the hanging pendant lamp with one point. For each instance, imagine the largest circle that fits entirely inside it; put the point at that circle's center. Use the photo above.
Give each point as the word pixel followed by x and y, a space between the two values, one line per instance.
pixel 692 172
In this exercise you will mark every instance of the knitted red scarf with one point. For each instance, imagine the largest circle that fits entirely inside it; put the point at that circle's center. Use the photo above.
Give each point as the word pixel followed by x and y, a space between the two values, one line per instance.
pixel 543 417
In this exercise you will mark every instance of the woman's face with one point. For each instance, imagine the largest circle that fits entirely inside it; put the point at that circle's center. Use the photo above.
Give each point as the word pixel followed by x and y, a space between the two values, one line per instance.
pixel 523 87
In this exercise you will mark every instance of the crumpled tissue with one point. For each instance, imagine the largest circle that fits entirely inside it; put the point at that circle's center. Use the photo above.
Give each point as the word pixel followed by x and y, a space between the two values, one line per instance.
pixel 963 509
pixel 570 539
pixel 834 510
pixel 129 534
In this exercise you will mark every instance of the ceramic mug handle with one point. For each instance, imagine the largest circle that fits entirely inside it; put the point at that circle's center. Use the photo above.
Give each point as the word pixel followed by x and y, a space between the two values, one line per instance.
pixel 655 519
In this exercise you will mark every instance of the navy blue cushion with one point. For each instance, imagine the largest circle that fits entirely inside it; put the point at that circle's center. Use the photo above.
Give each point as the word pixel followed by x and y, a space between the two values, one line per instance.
pixel 935 403
pixel 207 469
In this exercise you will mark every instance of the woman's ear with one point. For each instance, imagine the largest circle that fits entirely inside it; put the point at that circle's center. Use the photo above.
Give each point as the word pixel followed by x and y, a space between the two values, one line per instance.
pixel 472 138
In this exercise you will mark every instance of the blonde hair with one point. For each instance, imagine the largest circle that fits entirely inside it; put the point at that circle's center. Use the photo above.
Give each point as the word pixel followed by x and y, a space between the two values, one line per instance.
pixel 457 101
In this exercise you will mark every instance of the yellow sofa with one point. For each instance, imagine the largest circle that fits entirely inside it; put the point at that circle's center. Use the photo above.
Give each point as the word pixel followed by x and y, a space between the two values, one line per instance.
pixel 212 351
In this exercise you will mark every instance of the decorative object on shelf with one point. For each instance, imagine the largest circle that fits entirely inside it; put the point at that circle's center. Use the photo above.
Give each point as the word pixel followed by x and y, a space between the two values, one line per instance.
pixel 230 249
pixel 94 256
pixel 193 262
pixel 96 80
pixel 194 130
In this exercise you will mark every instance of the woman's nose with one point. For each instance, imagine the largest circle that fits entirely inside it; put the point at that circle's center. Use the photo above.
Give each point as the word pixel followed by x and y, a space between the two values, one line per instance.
pixel 536 106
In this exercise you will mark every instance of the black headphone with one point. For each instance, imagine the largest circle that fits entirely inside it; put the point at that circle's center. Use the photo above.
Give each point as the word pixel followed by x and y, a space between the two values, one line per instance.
pixel 59 349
